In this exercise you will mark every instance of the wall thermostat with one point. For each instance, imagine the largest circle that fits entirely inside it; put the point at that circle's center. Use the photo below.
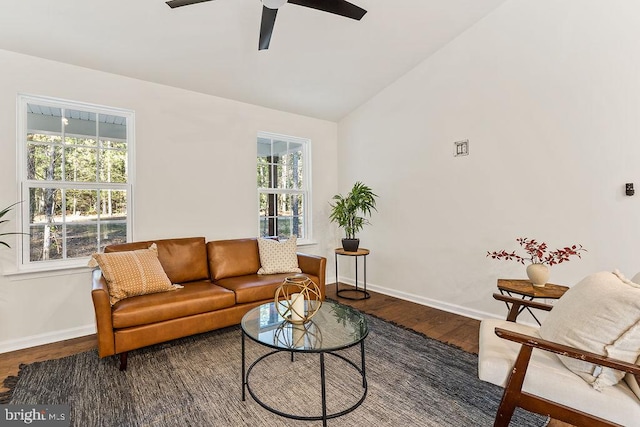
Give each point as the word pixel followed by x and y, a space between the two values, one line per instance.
pixel 629 189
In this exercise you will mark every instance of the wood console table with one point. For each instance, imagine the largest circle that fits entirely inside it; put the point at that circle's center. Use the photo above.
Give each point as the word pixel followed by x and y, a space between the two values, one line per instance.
pixel 528 291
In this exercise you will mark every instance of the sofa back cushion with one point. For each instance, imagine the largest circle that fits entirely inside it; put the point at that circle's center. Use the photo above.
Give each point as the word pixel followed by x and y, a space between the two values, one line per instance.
pixel 231 258
pixel 184 260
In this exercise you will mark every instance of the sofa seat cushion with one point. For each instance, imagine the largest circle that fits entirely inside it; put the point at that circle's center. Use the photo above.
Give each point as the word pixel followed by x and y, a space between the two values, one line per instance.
pixel 255 287
pixel 193 298
pixel 548 377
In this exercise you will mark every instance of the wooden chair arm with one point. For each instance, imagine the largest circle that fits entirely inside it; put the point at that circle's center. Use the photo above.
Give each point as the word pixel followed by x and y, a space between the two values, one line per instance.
pixel 521 302
pixel 565 350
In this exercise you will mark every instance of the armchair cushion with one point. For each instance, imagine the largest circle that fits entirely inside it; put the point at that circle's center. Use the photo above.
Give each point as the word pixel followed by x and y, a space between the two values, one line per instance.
pixel 600 314
pixel 548 377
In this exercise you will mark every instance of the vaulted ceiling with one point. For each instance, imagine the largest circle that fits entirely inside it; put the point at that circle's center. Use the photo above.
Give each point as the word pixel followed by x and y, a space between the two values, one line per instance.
pixel 318 64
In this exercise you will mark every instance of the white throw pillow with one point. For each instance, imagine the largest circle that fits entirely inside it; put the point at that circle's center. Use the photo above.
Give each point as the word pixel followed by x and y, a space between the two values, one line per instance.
pixel 600 314
pixel 278 257
pixel 633 282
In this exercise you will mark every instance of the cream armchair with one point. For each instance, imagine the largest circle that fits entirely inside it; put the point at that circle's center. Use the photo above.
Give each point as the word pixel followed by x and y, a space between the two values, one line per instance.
pixel 516 357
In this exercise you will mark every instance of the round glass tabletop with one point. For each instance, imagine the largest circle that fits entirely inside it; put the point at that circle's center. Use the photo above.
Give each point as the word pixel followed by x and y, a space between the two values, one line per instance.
pixel 335 326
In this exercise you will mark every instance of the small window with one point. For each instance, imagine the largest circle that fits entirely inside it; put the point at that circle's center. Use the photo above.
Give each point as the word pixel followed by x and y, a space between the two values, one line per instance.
pixel 76 180
pixel 283 186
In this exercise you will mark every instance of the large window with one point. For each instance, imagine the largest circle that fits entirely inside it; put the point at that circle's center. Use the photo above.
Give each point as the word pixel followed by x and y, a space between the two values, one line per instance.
pixel 76 179
pixel 283 186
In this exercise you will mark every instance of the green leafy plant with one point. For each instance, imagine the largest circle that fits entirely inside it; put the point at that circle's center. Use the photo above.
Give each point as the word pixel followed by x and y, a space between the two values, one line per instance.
pixel 2 214
pixel 350 211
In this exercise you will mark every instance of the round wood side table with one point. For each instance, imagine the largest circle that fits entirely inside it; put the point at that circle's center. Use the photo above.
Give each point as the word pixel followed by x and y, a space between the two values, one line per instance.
pixel 361 252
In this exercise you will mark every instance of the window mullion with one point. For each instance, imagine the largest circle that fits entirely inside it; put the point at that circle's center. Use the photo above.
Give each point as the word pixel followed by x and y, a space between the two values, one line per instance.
pixel 64 223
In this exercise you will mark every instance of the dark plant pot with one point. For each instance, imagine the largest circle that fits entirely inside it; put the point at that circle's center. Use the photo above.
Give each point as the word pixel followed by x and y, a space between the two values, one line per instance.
pixel 350 245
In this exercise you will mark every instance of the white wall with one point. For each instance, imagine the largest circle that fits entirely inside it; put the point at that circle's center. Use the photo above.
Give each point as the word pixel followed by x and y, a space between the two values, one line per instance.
pixel 548 93
pixel 195 176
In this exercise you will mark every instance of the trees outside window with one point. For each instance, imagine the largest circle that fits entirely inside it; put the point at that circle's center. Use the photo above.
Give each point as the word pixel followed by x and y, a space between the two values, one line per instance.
pixel 76 179
pixel 283 171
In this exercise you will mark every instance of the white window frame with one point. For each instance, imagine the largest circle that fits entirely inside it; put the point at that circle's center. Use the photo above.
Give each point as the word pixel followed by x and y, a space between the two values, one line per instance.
pixel 24 264
pixel 307 237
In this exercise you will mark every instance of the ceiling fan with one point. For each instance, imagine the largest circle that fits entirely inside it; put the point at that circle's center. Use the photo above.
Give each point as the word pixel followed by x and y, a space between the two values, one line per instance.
pixel 270 10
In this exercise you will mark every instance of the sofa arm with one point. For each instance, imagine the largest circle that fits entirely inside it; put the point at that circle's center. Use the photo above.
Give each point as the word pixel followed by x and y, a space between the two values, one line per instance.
pixel 315 265
pixel 102 307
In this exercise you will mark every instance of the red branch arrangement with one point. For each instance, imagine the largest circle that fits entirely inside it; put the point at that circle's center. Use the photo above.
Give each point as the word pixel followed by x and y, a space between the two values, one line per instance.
pixel 538 253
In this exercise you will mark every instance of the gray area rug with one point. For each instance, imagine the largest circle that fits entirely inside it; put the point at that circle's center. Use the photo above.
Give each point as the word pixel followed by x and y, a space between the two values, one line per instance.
pixel 196 381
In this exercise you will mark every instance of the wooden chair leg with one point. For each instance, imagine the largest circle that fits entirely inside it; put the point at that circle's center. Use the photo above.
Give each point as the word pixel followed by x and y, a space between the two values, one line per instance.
pixel 513 389
pixel 123 361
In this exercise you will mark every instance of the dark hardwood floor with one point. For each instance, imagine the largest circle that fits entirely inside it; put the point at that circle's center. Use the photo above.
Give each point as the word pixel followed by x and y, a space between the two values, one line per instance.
pixel 453 329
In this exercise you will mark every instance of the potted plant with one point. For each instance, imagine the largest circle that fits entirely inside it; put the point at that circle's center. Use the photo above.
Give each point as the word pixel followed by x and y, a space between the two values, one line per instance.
pixel 350 212
pixel 539 258
pixel 3 213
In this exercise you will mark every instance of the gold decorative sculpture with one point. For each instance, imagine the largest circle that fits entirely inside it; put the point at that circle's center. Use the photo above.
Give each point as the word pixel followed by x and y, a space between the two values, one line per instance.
pixel 298 299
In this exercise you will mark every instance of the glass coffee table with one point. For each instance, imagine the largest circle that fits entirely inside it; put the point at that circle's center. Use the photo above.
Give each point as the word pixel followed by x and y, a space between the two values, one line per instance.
pixel 334 327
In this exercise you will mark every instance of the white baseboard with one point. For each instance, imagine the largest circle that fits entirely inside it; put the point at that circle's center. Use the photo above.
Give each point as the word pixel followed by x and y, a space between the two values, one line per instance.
pixel 440 305
pixel 46 338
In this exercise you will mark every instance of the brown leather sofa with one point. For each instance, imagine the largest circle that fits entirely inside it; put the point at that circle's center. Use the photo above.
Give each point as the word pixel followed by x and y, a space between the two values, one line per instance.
pixel 220 285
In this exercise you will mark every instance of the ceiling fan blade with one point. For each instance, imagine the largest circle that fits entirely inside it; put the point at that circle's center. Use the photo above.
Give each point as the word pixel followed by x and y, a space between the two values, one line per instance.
pixel 177 3
pixel 338 7
pixel 266 27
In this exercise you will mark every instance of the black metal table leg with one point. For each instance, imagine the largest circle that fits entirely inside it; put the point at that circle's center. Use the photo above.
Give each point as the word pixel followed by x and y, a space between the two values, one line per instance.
pixel 324 391
pixel 336 263
pixel 365 277
pixel 364 373
pixel 244 377
pixel 356 274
